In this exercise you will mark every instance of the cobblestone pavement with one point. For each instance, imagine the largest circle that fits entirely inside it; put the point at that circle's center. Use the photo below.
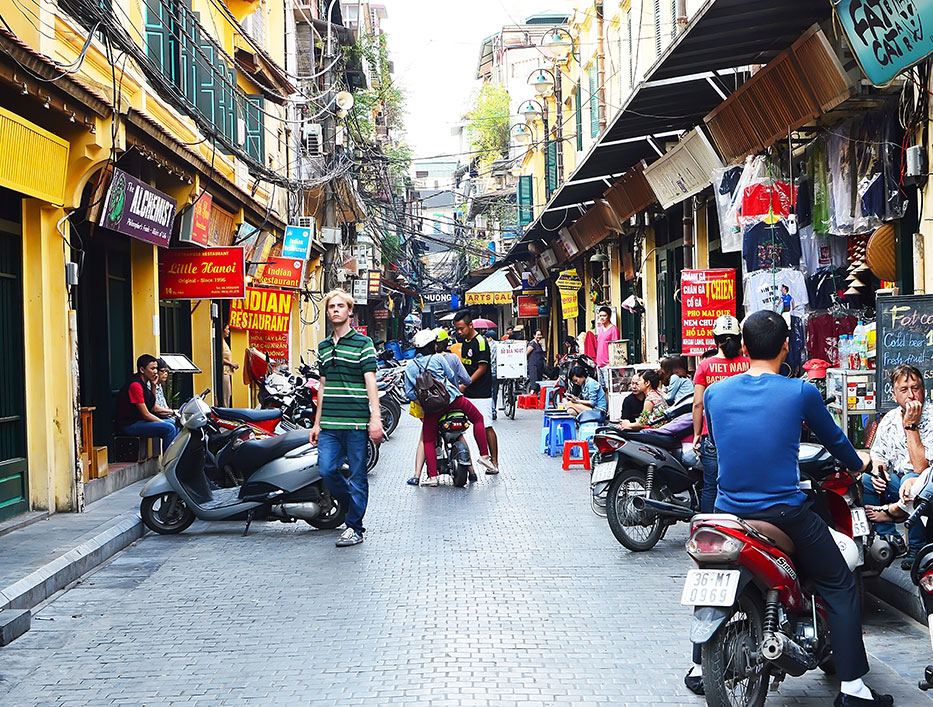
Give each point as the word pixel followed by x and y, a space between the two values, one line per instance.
pixel 509 592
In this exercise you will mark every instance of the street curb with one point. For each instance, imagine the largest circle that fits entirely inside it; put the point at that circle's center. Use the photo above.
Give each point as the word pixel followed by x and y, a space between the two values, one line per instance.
pixel 894 587
pixel 39 585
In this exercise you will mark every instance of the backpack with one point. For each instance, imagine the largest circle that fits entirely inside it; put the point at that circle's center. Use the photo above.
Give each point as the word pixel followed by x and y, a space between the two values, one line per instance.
pixel 432 394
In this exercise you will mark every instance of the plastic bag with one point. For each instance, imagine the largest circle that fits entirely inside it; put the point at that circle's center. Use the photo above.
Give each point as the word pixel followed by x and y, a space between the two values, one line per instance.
pixel 414 409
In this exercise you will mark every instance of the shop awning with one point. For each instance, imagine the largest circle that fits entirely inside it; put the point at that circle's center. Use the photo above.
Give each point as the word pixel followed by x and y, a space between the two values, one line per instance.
pixel 493 289
pixel 698 71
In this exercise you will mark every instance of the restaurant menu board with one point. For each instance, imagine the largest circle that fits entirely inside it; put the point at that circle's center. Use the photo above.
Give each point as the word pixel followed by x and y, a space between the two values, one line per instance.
pixel 706 295
pixel 905 335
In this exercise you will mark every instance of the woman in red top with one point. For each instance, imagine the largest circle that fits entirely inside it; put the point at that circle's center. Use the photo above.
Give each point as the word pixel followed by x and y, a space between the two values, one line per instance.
pixel 727 362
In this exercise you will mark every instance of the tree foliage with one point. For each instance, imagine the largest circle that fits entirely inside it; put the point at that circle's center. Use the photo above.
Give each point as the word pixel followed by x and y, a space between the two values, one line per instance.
pixel 489 124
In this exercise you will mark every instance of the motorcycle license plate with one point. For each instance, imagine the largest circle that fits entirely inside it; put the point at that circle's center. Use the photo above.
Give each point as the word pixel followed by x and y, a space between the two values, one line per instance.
pixel 604 471
pixel 710 588
pixel 859 522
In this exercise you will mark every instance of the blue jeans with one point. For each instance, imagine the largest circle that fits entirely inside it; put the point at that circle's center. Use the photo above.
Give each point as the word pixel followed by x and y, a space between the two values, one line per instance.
pixel 710 476
pixel 916 536
pixel 333 446
pixel 163 429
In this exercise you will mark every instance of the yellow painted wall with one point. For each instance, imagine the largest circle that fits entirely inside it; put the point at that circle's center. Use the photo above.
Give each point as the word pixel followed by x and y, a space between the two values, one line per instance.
pixel 650 290
pixel 144 262
pixel 239 342
pixel 50 429
pixel 201 345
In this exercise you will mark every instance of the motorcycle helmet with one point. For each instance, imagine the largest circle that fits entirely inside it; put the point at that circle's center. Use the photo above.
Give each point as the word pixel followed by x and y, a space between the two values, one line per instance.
pixel 847 548
pixel 442 334
pixel 726 325
pixel 424 337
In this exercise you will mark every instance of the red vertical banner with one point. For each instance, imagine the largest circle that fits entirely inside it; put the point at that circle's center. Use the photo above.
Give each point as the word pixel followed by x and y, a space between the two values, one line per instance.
pixel 705 295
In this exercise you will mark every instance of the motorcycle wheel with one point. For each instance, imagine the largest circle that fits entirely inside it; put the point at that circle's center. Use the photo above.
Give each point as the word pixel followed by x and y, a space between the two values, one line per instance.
pixel 391 412
pixel 730 676
pixel 332 518
pixel 372 454
pixel 167 514
pixel 460 474
pixel 636 530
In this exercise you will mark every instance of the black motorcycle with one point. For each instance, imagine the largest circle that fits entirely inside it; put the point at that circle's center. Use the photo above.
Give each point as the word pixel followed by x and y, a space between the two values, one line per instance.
pixel 453 454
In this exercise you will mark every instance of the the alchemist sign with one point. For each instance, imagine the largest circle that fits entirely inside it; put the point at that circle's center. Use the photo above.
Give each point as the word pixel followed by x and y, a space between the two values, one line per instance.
pixel 138 210
pixel 887 36
pixel 195 273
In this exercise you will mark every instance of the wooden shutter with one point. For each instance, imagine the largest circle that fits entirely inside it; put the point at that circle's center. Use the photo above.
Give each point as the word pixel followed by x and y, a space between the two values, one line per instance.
pixel 207 84
pixel 525 200
pixel 159 40
pixel 188 70
pixel 255 139
pixel 578 115
pixel 551 166
pixel 594 99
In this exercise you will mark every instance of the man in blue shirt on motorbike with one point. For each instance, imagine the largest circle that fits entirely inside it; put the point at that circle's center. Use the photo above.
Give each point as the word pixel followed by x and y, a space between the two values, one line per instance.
pixel 742 412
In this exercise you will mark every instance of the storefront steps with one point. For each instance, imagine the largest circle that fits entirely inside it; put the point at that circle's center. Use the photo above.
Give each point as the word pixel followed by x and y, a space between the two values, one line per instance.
pixel 48 554
pixel 119 476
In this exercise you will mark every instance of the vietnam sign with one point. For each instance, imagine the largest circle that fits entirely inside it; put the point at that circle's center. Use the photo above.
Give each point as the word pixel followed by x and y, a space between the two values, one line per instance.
pixel 195 273
pixel 196 221
pixel 887 36
pixel 275 344
pixel 136 209
pixel 706 295
pixel 282 272
pixel 262 310
pixel 488 298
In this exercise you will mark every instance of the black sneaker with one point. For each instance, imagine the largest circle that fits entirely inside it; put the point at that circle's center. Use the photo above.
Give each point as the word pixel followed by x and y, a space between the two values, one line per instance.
pixel 878 700
pixel 694 683
pixel 897 542
pixel 909 558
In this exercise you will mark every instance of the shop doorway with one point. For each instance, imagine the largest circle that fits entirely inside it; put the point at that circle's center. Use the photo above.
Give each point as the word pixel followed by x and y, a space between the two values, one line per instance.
pixel 105 328
pixel 13 466
pixel 670 265
pixel 175 337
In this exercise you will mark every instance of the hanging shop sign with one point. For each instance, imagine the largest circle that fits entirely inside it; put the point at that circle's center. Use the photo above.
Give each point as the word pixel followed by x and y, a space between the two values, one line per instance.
pixel 136 209
pixel 569 280
pixel 361 328
pixel 442 298
pixel 262 310
pixel 532 306
pixel 282 272
pixel 196 221
pixel 195 273
pixel 887 36
pixel 275 344
pixel 374 277
pixel 705 295
pixel 904 335
pixel 381 312
pixel 297 242
pixel 359 289
pixel 488 298
pixel 568 304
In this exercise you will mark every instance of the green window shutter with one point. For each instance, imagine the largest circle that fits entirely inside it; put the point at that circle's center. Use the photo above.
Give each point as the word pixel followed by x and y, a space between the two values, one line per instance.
pixel 551 166
pixel 594 100
pixel 255 137
pixel 159 40
pixel 525 200
pixel 207 85
pixel 190 38
pixel 578 105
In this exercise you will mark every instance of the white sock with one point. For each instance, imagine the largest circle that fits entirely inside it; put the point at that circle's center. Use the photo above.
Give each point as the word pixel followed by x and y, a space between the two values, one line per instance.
pixel 696 670
pixel 856 688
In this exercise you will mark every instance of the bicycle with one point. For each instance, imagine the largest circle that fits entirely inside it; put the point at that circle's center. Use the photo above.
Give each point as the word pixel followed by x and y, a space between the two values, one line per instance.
pixel 510 388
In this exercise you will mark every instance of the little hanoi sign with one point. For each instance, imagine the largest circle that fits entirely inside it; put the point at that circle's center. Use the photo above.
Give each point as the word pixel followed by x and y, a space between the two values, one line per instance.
pixel 138 210
pixel 193 273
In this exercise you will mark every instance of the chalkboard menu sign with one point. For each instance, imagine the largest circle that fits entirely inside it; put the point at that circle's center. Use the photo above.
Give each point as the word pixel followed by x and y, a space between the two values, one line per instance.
pixel 904 335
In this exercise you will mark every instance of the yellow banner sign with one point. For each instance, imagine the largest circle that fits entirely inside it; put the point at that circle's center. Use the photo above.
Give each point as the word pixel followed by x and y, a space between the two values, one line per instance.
pixel 488 298
pixel 569 280
pixel 568 303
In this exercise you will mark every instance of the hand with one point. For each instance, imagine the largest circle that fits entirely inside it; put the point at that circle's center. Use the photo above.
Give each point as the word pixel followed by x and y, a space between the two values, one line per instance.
pixel 462 388
pixel 235 366
pixel 376 432
pixel 906 488
pixel 697 441
pixel 912 412
pixel 879 481
pixel 315 433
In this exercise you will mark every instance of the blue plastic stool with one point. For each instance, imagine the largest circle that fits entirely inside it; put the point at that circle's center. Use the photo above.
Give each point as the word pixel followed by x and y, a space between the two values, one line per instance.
pixel 559 429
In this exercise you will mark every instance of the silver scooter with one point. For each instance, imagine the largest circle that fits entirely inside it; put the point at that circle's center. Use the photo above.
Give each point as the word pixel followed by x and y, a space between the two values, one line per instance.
pixel 282 481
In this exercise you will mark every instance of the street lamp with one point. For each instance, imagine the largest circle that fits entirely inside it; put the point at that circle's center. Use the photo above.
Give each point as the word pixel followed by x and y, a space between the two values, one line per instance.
pixel 558 44
pixel 542 81
pixel 531 110
pixel 522 133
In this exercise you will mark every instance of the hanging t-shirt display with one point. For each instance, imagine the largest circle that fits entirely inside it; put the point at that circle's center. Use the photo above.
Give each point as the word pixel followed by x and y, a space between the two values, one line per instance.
pixel 823 332
pixel 819 250
pixel 778 290
pixel 770 245
pixel 766 199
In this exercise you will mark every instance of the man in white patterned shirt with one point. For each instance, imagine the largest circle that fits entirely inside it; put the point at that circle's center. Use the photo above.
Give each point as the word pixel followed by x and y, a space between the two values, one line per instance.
pixel 902 449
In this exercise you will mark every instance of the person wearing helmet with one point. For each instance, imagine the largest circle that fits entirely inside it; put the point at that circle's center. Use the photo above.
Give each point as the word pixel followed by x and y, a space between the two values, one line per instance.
pixel 427 359
pixel 743 408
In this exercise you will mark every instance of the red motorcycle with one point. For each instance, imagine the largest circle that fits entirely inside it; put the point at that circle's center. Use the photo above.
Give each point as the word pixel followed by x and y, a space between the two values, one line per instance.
pixel 754 617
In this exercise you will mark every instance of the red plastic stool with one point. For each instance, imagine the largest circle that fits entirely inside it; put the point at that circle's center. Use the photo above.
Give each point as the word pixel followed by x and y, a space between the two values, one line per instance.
pixel 572 461
pixel 528 401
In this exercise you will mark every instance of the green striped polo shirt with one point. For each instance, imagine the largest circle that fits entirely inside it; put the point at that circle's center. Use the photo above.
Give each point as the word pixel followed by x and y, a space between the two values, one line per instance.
pixel 344 401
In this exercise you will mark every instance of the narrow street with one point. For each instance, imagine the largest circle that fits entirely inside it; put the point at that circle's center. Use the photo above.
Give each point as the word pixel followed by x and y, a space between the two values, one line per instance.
pixel 511 592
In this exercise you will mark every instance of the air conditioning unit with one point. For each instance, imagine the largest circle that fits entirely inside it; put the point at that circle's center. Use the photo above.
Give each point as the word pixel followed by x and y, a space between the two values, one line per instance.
pixel 330 235
pixel 314 139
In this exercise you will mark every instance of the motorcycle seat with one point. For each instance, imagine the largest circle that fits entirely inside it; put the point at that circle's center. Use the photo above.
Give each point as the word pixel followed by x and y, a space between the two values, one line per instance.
pixel 777 536
pixel 252 454
pixel 655 439
pixel 247 414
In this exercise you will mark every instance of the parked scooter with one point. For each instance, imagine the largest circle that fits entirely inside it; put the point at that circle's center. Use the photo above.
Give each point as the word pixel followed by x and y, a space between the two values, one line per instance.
pixel 921 573
pixel 453 454
pixel 753 616
pixel 283 482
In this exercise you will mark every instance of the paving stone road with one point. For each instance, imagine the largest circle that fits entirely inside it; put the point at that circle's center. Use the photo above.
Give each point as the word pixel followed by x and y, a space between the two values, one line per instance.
pixel 509 592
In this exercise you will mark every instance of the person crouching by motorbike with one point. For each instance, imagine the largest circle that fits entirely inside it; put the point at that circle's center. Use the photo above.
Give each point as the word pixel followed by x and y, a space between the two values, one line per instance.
pixel 592 396
pixel 741 420
pixel 461 377
pixel 426 359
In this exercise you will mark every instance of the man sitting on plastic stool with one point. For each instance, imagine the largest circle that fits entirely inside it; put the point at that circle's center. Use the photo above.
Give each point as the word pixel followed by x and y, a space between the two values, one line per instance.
pixel 592 396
